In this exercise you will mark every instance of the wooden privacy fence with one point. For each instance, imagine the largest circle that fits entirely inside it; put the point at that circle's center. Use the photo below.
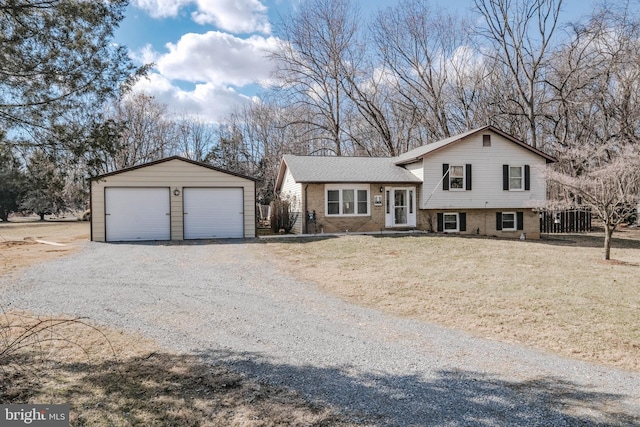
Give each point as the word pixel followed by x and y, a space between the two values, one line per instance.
pixel 565 221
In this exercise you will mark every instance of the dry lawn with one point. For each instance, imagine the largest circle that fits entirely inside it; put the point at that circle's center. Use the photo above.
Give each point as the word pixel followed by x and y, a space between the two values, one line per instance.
pixel 22 242
pixel 111 378
pixel 556 294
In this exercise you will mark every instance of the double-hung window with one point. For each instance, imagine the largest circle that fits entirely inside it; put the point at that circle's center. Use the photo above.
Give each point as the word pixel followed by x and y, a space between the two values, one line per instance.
pixel 516 178
pixel 450 222
pixel 347 200
pixel 509 221
pixel 456 177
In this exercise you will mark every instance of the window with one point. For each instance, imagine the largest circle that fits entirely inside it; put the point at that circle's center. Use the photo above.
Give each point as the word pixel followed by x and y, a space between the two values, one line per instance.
pixel 363 201
pixel 347 201
pixel 456 177
pixel 486 140
pixel 515 177
pixel 508 221
pixel 333 202
pixel 450 222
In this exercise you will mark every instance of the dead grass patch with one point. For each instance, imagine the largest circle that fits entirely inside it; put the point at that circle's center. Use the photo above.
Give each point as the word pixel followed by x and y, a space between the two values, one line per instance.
pixel 550 294
pixel 19 247
pixel 115 378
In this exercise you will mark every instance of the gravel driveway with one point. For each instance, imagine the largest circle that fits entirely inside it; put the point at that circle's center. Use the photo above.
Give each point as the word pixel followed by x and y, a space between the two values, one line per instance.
pixel 223 302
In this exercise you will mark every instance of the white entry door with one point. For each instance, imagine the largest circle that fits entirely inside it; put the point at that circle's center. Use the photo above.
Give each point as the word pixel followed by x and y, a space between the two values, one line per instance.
pixel 134 213
pixel 213 213
pixel 400 207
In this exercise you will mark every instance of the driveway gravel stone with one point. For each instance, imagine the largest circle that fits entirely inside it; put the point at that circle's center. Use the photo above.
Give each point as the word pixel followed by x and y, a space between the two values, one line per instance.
pixel 221 301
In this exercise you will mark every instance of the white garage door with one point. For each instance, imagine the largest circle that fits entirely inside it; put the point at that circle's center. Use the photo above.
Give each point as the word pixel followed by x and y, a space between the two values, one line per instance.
pixel 213 213
pixel 137 214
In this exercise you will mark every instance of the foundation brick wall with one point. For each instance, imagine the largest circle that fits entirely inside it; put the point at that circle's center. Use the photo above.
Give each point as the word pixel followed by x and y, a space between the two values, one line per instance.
pixel 483 222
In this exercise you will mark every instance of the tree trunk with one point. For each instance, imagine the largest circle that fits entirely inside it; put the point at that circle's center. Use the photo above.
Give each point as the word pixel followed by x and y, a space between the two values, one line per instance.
pixel 42 214
pixel 608 232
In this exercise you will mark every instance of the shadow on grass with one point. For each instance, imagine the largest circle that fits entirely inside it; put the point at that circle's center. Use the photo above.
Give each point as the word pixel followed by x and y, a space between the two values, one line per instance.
pixel 591 240
pixel 225 388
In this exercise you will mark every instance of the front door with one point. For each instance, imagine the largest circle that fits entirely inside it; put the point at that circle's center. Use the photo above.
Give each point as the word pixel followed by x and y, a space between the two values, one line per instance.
pixel 400 207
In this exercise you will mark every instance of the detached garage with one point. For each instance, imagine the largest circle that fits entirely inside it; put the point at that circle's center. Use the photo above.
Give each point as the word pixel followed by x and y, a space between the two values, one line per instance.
pixel 172 199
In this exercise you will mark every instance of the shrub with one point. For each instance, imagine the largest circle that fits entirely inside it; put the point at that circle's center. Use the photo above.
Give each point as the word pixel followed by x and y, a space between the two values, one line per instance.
pixel 283 214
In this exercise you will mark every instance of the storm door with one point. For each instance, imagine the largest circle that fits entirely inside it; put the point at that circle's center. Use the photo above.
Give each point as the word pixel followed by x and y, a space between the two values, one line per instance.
pixel 400 205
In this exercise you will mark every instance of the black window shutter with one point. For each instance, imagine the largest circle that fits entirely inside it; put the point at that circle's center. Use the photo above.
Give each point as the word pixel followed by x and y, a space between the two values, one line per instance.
pixel 440 222
pixel 462 217
pixel 445 181
pixel 527 177
pixel 468 174
pixel 520 220
pixel 505 177
pixel 498 220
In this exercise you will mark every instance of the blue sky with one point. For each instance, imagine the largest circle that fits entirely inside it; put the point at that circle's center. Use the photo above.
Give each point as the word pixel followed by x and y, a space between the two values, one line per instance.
pixel 209 54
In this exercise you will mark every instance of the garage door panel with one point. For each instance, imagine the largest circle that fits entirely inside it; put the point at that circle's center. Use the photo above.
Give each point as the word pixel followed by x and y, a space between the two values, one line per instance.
pixel 211 213
pixel 137 214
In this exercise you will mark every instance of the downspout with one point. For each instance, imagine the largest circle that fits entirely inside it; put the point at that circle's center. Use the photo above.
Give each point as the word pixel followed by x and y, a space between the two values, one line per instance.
pixel 91 211
pixel 304 209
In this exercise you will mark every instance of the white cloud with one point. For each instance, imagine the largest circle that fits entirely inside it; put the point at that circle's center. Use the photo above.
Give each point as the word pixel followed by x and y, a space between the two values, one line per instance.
pixel 208 101
pixel 161 8
pixel 205 74
pixel 235 16
pixel 217 57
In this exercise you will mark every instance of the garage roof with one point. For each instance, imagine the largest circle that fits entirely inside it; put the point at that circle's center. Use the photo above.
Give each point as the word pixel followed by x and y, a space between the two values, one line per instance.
pixel 167 159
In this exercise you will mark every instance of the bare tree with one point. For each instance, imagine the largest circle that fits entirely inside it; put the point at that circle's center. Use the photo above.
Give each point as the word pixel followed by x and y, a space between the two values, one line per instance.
pixel 194 137
pixel 520 33
pixel 415 43
pixel 310 65
pixel 609 182
pixel 133 131
pixel 594 81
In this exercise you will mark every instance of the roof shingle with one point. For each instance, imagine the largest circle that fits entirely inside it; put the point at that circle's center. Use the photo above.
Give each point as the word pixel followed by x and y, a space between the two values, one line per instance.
pixel 311 169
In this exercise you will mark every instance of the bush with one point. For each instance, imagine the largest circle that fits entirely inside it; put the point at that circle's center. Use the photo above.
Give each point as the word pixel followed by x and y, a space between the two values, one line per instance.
pixel 283 215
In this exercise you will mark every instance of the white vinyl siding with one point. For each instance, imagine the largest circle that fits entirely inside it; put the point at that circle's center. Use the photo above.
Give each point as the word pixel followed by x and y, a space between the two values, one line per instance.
pixel 292 191
pixel 137 214
pixel 213 213
pixel 487 190
pixel 416 168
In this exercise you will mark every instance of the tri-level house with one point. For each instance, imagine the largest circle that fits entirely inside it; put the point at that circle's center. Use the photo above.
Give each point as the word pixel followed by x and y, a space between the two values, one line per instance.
pixel 483 181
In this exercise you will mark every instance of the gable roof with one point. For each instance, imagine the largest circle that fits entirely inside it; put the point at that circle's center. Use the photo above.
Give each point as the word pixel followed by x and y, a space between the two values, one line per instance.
pixel 167 159
pixel 327 169
pixel 420 152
